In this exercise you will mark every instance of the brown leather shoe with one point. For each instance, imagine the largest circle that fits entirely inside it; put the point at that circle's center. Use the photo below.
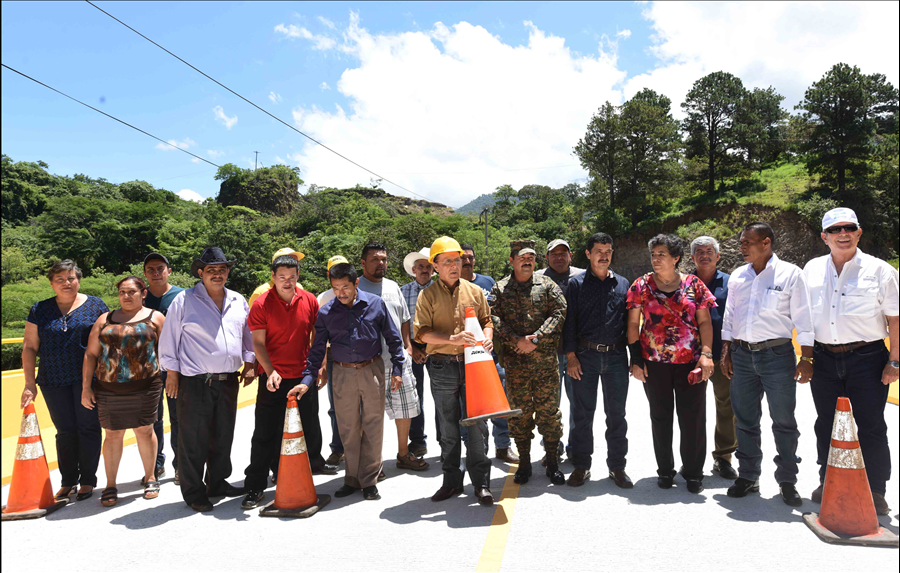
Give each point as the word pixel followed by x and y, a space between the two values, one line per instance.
pixel 507 455
pixel 446 492
pixel 334 459
pixel 578 477
pixel 881 505
pixel 621 478
pixel 485 497
pixel 816 496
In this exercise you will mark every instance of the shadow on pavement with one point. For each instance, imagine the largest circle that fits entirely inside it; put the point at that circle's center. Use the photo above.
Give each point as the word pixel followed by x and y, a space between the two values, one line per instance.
pixel 462 511
pixel 755 508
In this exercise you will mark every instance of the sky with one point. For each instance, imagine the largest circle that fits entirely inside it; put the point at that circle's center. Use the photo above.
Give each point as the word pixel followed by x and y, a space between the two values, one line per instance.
pixel 447 100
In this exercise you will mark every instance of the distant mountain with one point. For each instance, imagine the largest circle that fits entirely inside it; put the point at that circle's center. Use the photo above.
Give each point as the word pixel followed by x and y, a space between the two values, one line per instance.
pixel 477 204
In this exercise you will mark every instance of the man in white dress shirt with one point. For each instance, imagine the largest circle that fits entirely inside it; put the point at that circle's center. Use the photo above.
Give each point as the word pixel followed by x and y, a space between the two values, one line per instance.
pixel 855 305
pixel 768 298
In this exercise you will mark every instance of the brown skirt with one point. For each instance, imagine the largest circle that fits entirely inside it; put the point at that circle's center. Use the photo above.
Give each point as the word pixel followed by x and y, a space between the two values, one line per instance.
pixel 125 410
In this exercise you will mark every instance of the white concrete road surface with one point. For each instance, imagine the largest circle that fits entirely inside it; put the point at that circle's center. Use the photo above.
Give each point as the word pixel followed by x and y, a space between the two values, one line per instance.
pixel 597 527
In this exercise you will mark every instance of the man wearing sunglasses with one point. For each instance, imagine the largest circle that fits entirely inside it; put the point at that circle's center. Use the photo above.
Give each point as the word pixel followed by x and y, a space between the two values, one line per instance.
pixel 854 299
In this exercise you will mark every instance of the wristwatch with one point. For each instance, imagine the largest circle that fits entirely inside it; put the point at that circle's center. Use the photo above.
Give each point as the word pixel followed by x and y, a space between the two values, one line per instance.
pixel 894 364
pixel 809 359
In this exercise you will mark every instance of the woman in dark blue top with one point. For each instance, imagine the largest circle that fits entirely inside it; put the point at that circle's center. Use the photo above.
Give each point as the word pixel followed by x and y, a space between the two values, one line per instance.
pixel 57 330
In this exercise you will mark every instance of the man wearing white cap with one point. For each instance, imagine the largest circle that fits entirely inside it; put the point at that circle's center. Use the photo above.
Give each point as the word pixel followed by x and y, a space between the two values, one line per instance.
pixel 560 270
pixel 266 286
pixel 417 266
pixel 854 299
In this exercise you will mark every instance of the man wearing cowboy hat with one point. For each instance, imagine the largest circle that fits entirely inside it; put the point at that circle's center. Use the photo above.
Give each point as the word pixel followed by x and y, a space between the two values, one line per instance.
pixel 417 266
pixel 203 344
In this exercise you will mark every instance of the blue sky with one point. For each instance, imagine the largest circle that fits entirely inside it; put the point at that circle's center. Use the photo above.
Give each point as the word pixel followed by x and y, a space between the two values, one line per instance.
pixel 447 99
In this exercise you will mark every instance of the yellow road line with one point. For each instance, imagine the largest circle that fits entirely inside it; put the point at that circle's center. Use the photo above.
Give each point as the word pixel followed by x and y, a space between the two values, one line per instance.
pixel 498 533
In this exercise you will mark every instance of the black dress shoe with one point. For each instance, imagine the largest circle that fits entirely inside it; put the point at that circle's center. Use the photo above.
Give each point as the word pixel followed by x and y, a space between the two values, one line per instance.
pixel 229 491
pixel 816 496
pixel 446 492
pixel 743 486
pixel 694 485
pixel 725 469
pixel 253 499
pixel 621 478
pixel 578 477
pixel 881 504
pixel 524 471
pixel 556 476
pixel 370 493
pixel 789 495
pixel 345 490
pixel 202 506
pixel 485 497
pixel 418 451
pixel 665 482
pixel 324 469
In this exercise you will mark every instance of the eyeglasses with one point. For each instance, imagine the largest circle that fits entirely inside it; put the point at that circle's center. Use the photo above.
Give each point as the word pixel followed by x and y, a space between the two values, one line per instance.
pixel 850 228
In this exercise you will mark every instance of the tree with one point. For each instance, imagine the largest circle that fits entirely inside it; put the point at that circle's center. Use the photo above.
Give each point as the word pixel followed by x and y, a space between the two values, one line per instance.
pixel 273 190
pixel 710 106
pixel 758 123
pixel 846 109
pixel 599 149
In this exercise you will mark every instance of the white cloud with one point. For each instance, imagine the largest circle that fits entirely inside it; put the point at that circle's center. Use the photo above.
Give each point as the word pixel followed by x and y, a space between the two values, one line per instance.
pixel 185 143
pixel 228 122
pixel 320 42
pixel 274 97
pixel 785 45
pixel 325 21
pixel 624 34
pixel 280 160
pixel 453 112
pixel 324 86
pixel 189 195
pixel 213 153
pixel 195 160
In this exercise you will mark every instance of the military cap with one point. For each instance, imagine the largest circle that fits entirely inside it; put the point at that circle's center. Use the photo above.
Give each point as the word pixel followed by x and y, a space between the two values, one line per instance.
pixel 519 248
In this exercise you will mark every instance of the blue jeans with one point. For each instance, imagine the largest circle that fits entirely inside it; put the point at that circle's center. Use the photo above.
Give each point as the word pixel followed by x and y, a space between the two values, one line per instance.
pixel 448 387
pixel 500 426
pixel 769 372
pixel 335 445
pixel 609 369
pixel 856 375
pixel 417 437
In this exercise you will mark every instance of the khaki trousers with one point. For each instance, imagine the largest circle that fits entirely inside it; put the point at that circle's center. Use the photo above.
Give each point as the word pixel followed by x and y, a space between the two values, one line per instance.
pixel 725 437
pixel 359 409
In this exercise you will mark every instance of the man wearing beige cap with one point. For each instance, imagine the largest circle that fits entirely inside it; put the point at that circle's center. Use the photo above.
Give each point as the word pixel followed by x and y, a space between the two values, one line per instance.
pixel 560 270
pixel 854 299
pixel 287 251
pixel 417 266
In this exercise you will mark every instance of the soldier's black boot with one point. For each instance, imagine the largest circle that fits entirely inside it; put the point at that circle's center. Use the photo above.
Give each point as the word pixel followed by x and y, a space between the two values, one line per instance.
pixel 556 476
pixel 524 471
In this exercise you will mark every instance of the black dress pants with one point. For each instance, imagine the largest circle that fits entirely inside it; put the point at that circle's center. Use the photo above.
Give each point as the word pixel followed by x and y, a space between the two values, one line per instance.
pixel 265 445
pixel 78 435
pixel 206 415
pixel 668 391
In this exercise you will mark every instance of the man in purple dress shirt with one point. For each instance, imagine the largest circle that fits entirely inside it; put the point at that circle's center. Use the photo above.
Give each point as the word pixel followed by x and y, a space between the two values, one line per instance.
pixel 202 346
pixel 354 322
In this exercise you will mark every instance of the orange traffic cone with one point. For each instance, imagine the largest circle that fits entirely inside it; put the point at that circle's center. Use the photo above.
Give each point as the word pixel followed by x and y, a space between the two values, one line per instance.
pixel 848 512
pixel 485 397
pixel 30 492
pixel 295 493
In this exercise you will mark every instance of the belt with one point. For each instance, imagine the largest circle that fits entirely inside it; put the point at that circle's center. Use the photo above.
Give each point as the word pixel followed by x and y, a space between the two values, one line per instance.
pixel 356 365
pixel 600 347
pixel 849 347
pixel 760 346
pixel 216 377
pixel 448 357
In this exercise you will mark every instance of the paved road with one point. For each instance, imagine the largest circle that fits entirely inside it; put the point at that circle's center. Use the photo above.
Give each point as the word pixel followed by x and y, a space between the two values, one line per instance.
pixel 595 527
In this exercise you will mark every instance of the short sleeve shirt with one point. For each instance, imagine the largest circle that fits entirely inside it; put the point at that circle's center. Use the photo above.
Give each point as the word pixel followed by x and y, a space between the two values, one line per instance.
pixel 670 333
pixel 288 327
pixel 162 303
pixel 63 339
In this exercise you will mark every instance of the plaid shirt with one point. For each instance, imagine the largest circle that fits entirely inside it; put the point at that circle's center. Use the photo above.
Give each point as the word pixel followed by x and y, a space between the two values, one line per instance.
pixel 411 294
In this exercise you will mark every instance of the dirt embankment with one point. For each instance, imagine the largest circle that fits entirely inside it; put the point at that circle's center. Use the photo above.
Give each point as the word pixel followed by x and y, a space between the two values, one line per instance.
pixel 795 241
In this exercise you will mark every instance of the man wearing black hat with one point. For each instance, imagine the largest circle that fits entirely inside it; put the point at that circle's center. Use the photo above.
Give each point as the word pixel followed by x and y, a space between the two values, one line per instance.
pixel 203 344
pixel 159 296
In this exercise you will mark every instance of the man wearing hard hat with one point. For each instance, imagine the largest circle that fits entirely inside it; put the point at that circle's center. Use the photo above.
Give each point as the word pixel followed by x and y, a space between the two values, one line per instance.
pixel 440 325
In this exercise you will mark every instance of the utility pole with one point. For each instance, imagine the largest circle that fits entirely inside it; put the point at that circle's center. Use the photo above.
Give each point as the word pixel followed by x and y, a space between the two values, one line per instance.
pixel 255 160
pixel 484 217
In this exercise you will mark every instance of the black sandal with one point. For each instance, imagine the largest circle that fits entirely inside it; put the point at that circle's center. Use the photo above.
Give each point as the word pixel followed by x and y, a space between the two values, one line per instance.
pixel 151 489
pixel 65 492
pixel 85 495
pixel 109 497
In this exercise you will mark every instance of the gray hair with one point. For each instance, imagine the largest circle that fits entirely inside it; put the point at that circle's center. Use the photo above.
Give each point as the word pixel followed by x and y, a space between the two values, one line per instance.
pixel 704 241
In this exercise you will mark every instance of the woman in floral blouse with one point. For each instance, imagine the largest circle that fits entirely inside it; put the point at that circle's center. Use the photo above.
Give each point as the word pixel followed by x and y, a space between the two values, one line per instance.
pixel 676 337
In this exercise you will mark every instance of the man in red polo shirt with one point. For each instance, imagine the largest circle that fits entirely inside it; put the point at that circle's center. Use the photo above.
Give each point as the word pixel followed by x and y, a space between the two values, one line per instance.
pixel 281 321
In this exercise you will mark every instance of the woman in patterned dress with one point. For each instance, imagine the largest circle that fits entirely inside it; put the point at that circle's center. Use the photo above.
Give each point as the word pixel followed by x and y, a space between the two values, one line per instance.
pixel 121 377
pixel 676 337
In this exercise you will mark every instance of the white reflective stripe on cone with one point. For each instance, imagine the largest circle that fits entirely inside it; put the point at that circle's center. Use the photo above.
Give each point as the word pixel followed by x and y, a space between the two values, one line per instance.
pixel 843 429
pixel 846 459
pixel 292 421
pixel 29 427
pixel 32 451
pixel 293 446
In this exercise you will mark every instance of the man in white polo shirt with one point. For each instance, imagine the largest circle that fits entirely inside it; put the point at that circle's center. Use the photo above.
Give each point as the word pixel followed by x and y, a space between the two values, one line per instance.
pixel 767 300
pixel 855 305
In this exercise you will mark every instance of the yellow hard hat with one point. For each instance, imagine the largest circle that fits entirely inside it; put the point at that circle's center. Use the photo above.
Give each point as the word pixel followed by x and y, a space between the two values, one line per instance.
pixel 287 251
pixel 335 260
pixel 443 245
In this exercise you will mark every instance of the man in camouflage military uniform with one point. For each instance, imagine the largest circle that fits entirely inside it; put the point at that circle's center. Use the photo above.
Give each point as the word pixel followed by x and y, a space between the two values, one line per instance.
pixel 528 312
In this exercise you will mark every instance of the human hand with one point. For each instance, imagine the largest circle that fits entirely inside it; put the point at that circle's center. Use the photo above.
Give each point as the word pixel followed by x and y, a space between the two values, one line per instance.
pixel 396 381
pixel 488 345
pixel 172 384
pixel 639 372
pixel 573 367
pixel 524 345
pixel 464 338
pixel 419 356
pixel 322 377
pixel 707 366
pixel 273 381
pixel 28 395
pixel 725 363
pixel 298 391
pixel 889 374
pixel 804 372
pixel 87 398
pixel 248 373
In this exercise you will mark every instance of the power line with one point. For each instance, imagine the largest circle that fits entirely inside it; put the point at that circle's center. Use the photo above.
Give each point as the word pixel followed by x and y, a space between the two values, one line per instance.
pixel 107 115
pixel 490 170
pixel 207 76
